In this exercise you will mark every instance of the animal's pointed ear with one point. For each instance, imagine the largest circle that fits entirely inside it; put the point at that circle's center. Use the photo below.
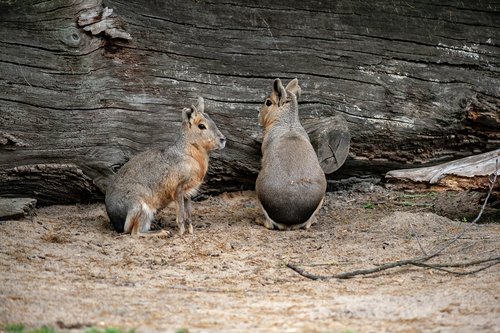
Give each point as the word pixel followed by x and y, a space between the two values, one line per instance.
pixel 200 105
pixel 187 115
pixel 294 88
pixel 280 91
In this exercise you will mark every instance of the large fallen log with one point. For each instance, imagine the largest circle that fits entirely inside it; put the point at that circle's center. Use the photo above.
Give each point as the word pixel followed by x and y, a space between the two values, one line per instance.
pixel 84 86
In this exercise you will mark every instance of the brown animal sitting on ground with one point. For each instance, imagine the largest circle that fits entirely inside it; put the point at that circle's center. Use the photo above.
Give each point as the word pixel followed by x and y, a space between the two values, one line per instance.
pixel 156 177
pixel 291 184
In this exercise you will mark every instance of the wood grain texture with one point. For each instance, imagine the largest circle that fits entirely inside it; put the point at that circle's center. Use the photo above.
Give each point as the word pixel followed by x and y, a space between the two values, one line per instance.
pixel 472 172
pixel 418 83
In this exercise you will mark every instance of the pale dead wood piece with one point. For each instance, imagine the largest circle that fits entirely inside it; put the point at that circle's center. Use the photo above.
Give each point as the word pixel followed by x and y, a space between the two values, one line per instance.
pixel 97 20
pixel 465 173
pixel 15 208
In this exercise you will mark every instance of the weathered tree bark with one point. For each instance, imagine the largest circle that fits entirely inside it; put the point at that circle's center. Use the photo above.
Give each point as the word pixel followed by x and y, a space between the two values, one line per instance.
pixel 80 93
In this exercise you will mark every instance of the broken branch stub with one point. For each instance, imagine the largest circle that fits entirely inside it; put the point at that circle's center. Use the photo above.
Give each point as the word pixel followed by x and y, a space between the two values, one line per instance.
pixel 102 20
pixel 331 138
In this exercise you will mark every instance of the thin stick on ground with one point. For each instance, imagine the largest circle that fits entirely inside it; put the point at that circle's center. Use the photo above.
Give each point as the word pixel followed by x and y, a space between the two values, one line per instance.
pixel 419 261
pixel 443 267
pixel 414 232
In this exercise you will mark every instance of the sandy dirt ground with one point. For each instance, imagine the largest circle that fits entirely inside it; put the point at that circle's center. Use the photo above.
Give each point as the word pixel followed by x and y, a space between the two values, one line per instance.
pixel 67 268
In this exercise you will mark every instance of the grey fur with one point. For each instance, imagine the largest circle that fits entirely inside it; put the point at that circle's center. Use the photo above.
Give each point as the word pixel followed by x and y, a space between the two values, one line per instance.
pixel 291 184
pixel 156 177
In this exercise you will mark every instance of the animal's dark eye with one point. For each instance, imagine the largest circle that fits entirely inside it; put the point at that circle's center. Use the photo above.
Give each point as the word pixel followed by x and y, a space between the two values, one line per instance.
pixel 202 126
pixel 268 102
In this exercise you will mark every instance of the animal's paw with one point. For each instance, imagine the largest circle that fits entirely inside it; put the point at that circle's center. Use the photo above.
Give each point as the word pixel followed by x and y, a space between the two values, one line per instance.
pixel 163 233
pixel 182 230
pixel 265 222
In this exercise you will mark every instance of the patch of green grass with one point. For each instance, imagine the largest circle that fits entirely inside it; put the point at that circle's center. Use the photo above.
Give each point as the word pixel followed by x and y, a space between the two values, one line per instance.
pixel 368 205
pixel 14 328
pixel 431 195
pixel 20 328
pixel 182 330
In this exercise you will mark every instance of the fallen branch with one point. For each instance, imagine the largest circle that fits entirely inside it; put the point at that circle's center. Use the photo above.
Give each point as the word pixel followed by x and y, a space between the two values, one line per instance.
pixel 351 274
pixel 419 261
pixel 441 267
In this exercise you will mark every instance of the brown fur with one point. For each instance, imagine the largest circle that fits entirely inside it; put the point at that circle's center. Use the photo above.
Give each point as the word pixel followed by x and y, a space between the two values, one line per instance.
pixel 156 177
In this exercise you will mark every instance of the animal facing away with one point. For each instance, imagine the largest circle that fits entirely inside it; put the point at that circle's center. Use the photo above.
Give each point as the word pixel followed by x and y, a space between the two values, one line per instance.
pixel 156 177
pixel 291 184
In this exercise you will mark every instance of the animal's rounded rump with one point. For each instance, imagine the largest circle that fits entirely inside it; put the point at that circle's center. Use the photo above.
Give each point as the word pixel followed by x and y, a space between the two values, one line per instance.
pixel 291 184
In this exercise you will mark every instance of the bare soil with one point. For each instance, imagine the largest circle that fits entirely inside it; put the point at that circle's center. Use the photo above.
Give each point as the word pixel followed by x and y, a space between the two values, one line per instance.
pixel 67 268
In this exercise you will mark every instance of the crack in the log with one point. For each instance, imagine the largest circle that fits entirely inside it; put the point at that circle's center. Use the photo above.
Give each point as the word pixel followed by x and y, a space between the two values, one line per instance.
pixel 326 76
pixel 249 76
pixel 218 28
pixel 444 19
pixel 484 93
pixel 192 56
pixel 190 81
pixel 442 4
pixel 407 75
pixel 163 19
pixel 70 108
pixel 25 65
pixel 234 101
pixel 71 5
pixel 56 52
pixel 90 71
pixel 281 9
pixel 446 64
pixel 18 22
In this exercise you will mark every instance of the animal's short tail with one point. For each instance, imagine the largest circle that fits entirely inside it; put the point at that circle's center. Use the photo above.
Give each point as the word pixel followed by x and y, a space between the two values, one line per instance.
pixel 138 219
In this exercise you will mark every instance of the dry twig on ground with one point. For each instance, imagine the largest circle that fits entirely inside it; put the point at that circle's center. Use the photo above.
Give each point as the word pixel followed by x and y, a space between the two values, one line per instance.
pixel 421 261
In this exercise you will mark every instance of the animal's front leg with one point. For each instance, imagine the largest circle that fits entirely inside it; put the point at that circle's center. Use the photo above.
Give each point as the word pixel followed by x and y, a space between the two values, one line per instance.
pixel 179 202
pixel 188 209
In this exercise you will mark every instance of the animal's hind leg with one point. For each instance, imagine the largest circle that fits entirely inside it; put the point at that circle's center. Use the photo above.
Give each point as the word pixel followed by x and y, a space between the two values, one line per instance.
pixel 268 223
pixel 312 219
pixel 181 213
pixel 139 219
pixel 188 210
pixel 305 225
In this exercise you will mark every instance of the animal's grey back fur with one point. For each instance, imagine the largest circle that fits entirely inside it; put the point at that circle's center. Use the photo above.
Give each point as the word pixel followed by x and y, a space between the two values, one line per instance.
pixel 291 184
